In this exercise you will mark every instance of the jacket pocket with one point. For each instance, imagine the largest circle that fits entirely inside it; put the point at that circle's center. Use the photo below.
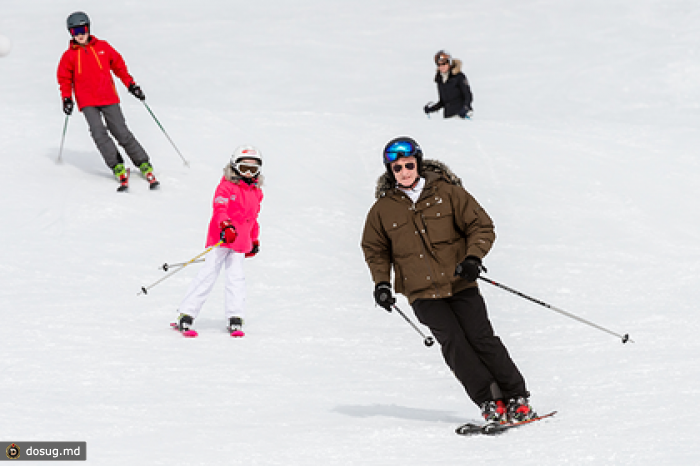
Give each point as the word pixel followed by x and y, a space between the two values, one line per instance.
pixel 401 234
pixel 440 226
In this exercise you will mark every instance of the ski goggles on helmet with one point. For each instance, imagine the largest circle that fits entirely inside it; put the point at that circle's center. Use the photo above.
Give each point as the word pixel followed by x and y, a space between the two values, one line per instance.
pixel 442 57
pixel 78 30
pixel 401 148
pixel 247 168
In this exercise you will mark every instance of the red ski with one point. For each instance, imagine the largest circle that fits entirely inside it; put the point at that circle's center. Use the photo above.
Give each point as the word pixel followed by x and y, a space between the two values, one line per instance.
pixel 495 429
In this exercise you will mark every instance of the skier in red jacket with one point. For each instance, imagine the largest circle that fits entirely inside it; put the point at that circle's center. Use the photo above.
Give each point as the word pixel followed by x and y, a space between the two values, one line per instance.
pixel 86 70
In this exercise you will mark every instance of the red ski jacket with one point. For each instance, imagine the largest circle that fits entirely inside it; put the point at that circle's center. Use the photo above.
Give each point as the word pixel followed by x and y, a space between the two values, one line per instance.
pixel 87 71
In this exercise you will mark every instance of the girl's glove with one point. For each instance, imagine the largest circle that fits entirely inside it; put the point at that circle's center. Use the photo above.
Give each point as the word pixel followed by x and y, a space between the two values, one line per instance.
pixel 228 232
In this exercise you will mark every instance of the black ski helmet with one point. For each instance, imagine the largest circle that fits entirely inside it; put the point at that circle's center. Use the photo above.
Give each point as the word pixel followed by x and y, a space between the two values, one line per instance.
pixel 77 19
pixel 402 146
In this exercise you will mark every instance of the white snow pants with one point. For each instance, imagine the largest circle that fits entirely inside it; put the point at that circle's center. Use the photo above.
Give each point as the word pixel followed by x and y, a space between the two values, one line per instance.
pixel 234 286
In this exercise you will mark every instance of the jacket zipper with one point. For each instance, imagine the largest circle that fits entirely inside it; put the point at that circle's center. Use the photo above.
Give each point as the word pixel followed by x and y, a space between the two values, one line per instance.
pixel 425 254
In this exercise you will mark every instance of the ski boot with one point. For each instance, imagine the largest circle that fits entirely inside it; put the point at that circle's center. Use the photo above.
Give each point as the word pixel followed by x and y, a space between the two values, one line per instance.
pixel 147 172
pixel 519 410
pixel 494 412
pixel 122 175
pixel 184 326
pixel 235 327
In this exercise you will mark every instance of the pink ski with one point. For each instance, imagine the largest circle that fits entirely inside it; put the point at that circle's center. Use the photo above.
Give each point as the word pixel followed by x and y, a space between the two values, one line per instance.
pixel 187 333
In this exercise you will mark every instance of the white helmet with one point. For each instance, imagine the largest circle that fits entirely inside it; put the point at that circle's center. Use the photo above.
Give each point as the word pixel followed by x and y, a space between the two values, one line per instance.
pixel 246 152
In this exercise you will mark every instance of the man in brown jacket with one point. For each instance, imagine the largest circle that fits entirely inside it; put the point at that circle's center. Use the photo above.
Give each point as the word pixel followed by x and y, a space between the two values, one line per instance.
pixel 434 234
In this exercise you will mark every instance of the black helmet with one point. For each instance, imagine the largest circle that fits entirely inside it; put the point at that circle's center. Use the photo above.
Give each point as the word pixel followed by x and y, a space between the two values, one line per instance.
pixel 402 146
pixel 77 19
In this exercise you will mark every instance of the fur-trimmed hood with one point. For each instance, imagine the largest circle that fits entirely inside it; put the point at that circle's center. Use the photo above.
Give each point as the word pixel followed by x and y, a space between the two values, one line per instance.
pixel 430 170
pixel 231 176
pixel 455 68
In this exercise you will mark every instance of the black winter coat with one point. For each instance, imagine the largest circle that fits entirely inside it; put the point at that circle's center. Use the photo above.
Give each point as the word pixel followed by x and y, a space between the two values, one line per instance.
pixel 455 94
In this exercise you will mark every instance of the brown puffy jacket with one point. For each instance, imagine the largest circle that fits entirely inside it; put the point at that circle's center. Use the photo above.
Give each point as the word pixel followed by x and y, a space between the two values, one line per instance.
pixel 425 242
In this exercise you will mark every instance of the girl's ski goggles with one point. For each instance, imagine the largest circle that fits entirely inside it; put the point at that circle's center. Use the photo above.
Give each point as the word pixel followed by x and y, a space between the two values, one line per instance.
pixel 247 168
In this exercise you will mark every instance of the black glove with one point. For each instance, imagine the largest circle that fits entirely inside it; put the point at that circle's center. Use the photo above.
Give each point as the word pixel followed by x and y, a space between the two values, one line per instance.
pixel 255 250
pixel 382 295
pixel 67 105
pixel 470 268
pixel 136 90
pixel 428 108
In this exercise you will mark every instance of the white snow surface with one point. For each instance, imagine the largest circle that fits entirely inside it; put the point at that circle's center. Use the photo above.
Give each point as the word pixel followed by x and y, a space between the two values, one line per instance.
pixel 583 149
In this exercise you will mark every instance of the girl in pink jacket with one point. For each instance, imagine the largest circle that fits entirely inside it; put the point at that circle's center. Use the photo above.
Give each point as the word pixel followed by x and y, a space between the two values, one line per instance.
pixel 234 224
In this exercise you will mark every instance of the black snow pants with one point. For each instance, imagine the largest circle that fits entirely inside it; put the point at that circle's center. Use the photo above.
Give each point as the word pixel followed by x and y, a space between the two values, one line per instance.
pixel 475 354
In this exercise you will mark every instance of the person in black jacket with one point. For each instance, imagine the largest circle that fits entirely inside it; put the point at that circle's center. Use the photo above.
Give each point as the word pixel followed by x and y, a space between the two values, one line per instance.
pixel 453 88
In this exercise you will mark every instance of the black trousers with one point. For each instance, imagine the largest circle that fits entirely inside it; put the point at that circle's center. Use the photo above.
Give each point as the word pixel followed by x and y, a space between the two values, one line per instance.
pixel 475 354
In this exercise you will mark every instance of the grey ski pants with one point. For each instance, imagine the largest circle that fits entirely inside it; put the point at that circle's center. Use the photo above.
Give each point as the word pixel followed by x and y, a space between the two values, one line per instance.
pixel 116 124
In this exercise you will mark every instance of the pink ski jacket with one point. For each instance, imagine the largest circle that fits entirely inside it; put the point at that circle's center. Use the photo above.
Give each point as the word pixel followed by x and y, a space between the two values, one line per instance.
pixel 87 71
pixel 239 202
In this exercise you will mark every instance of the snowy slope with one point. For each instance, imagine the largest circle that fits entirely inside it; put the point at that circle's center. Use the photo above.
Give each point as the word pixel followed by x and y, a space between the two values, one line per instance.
pixel 583 149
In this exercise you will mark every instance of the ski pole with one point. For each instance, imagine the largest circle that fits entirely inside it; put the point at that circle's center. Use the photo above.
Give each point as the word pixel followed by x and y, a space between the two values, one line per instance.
pixel 164 132
pixel 625 338
pixel 167 266
pixel 427 341
pixel 63 139
pixel 144 289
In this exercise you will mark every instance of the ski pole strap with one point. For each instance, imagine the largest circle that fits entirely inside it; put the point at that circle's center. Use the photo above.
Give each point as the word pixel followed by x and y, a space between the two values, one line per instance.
pixel 625 338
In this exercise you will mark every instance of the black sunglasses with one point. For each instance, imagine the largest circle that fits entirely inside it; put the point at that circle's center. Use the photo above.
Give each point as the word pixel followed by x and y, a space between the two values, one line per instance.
pixel 398 167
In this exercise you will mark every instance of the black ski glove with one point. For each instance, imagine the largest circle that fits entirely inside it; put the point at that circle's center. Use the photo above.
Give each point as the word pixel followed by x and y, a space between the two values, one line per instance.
pixel 382 295
pixel 67 105
pixel 470 268
pixel 428 108
pixel 136 90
